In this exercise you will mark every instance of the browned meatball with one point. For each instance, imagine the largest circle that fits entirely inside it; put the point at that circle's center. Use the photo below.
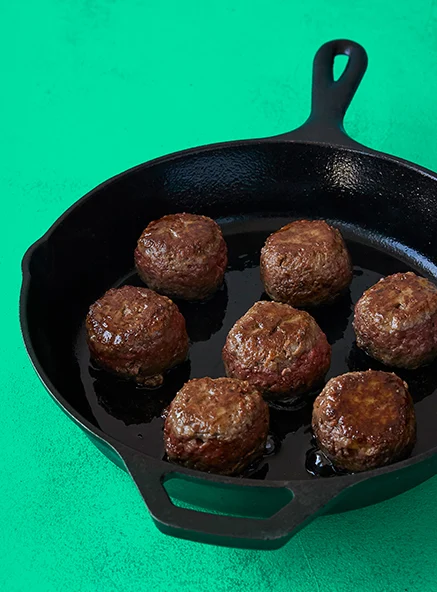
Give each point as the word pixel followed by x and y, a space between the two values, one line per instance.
pixel 305 263
pixel 396 321
pixel 364 420
pixel 218 425
pixel 137 334
pixel 182 256
pixel 279 350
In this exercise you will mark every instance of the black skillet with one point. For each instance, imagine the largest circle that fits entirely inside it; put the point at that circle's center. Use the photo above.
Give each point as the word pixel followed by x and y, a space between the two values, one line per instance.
pixel 387 210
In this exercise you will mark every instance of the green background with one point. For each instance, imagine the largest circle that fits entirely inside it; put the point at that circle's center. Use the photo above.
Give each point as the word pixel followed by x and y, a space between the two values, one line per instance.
pixel 92 87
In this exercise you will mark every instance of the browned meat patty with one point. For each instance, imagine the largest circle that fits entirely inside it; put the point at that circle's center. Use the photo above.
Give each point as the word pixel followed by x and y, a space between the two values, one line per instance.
pixel 218 425
pixel 182 256
pixel 396 321
pixel 279 350
pixel 364 420
pixel 137 334
pixel 305 263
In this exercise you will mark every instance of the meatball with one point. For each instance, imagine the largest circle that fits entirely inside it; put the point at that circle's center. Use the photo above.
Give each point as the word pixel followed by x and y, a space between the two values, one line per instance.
pixel 279 350
pixel 364 420
pixel 136 334
pixel 305 263
pixel 218 425
pixel 183 256
pixel 395 321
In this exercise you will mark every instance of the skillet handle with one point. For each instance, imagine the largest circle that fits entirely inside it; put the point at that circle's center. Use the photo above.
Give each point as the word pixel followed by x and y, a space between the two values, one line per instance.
pixel 331 98
pixel 307 500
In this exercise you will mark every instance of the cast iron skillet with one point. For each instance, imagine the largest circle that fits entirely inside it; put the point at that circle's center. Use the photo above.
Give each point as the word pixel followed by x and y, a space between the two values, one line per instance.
pixel 387 210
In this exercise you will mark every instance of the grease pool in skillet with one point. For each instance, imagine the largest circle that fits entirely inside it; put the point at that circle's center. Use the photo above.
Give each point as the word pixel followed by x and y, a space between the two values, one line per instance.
pixel 134 415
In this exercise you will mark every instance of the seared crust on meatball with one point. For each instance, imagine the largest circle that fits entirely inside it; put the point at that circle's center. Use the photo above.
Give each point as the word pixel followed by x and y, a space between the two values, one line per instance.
pixel 364 420
pixel 136 334
pixel 218 425
pixel 278 349
pixel 396 321
pixel 305 263
pixel 183 256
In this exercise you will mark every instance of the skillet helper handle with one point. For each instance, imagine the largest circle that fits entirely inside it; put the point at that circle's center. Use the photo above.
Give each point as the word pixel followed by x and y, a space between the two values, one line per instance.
pixel 308 498
pixel 331 98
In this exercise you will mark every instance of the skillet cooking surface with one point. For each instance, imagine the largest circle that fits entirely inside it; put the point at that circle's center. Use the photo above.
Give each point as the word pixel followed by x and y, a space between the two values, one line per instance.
pixel 133 415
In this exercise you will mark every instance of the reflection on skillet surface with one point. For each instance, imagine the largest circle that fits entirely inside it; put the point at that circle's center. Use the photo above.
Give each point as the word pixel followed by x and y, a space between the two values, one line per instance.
pixel 134 415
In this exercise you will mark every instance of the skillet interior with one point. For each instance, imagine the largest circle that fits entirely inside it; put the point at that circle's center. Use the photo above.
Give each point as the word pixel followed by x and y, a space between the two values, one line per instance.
pixel 387 211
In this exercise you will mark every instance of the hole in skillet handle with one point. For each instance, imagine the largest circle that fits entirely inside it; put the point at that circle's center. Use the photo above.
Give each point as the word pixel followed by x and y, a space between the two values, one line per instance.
pixel 340 63
pixel 221 499
pixel 331 97
pixel 304 500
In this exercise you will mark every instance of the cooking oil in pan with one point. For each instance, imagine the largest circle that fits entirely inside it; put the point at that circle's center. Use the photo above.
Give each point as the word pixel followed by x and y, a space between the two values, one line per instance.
pixel 135 415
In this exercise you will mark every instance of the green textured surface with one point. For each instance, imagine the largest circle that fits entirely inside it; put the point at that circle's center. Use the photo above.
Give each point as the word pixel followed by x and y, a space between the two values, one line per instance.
pixel 92 87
